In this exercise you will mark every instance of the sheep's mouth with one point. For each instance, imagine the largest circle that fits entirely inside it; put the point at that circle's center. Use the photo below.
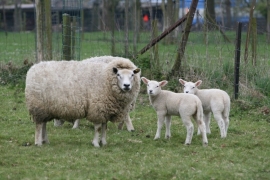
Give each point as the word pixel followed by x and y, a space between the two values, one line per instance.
pixel 126 89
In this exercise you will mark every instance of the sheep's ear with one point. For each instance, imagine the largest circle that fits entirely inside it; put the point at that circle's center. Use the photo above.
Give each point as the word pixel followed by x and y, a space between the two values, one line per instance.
pixel 136 71
pixel 163 83
pixel 182 82
pixel 198 83
pixel 144 80
pixel 115 70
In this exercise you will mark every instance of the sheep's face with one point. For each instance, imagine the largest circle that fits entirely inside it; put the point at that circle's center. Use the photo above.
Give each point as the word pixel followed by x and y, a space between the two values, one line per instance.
pixel 190 87
pixel 153 87
pixel 125 78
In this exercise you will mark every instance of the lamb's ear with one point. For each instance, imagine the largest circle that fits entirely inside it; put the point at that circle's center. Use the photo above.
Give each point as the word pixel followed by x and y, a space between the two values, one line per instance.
pixel 198 83
pixel 115 70
pixel 182 82
pixel 144 80
pixel 136 71
pixel 163 83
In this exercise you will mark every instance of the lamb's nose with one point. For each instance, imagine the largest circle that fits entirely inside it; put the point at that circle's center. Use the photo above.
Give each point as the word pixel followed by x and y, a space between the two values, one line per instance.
pixel 150 91
pixel 186 91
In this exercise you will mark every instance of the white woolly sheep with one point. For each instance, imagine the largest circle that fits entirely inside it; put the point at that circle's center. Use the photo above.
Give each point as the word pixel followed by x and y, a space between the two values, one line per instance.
pixel 99 89
pixel 167 104
pixel 76 123
pixel 213 100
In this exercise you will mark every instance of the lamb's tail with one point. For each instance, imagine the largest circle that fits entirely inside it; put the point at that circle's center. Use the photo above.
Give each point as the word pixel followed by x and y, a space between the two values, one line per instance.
pixel 199 114
pixel 227 106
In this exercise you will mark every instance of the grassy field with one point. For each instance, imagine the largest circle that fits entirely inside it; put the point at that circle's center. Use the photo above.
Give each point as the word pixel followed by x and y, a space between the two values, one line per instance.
pixel 244 154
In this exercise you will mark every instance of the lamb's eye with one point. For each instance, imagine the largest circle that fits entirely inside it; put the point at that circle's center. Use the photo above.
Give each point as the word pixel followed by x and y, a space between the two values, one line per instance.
pixel 193 87
pixel 118 74
pixel 157 86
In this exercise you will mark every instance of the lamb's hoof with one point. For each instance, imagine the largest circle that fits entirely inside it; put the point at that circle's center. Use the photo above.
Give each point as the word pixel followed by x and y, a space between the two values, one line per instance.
pixel 187 144
pixel 167 137
pixel 205 144
pixel 156 138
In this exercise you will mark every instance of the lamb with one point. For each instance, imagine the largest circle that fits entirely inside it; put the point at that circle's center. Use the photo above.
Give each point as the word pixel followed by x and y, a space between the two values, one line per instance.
pixel 100 89
pixel 213 100
pixel 167 104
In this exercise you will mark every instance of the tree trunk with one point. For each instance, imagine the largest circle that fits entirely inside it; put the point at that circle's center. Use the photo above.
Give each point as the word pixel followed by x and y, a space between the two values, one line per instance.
pixel 17 16
pixel 228 19
pixel 210 10
pixel 39 31
pixel 268 21
pixel 126 27
pixel 177 69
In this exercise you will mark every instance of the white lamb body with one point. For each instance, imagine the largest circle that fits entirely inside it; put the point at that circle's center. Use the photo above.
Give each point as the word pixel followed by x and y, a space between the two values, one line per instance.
pixel 167 104
pixel 213 100
pixel 99 89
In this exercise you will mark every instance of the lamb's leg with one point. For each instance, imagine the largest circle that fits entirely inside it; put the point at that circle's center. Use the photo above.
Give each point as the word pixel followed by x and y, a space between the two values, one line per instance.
pixel 190 129
pixel 160 123
pixel 227 122
pixel 207 119
pixel 221 124
pixel 44 134
pixel 76 124
pixel 201 126
pixel 95 141
pixel 103 134
pixel 40 133
pixel 168 126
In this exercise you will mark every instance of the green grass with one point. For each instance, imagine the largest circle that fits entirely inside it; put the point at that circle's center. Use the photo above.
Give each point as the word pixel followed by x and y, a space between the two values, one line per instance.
pixel 244 154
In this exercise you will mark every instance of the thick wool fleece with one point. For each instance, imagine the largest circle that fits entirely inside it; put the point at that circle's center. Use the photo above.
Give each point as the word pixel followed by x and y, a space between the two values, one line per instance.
pixel 79 89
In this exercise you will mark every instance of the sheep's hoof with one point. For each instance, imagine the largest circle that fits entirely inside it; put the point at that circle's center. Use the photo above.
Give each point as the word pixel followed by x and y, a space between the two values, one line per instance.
pixel 95 144
pixel 187 144
pixel 205 144
pixel 156 138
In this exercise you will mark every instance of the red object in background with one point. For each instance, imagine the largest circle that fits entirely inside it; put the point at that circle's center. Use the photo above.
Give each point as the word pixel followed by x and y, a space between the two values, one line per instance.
pixel 145 18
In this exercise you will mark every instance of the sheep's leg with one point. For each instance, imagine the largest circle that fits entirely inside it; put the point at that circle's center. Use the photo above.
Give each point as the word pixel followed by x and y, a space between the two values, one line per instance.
pixel 128 123
pixel 201 126
pixel 76 124
pixel 58 122
pixel 95 141
pixel 168 127
pixel 44 134
pixel 160 123
pixel 40 133
pixel 103 134
pixel 221 124
pixel 190 129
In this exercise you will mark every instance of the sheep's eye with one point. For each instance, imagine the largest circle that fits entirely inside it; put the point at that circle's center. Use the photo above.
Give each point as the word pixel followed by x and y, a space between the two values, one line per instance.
pixel 118 74
pixel 157 86
pixel 193 87
pixel 132 75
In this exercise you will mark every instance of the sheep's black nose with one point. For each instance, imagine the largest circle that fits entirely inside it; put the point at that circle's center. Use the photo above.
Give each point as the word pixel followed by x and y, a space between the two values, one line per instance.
pixel 150 91
pixel 126 85
pixel 186 91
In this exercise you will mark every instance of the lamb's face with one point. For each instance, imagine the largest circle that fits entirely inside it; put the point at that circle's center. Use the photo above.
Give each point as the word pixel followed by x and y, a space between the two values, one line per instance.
pixel 125 78
pixel 153 88
pixel 190 88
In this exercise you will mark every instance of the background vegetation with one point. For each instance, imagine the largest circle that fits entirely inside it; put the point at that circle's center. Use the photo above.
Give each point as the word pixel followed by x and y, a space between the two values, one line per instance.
pixel 244 154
